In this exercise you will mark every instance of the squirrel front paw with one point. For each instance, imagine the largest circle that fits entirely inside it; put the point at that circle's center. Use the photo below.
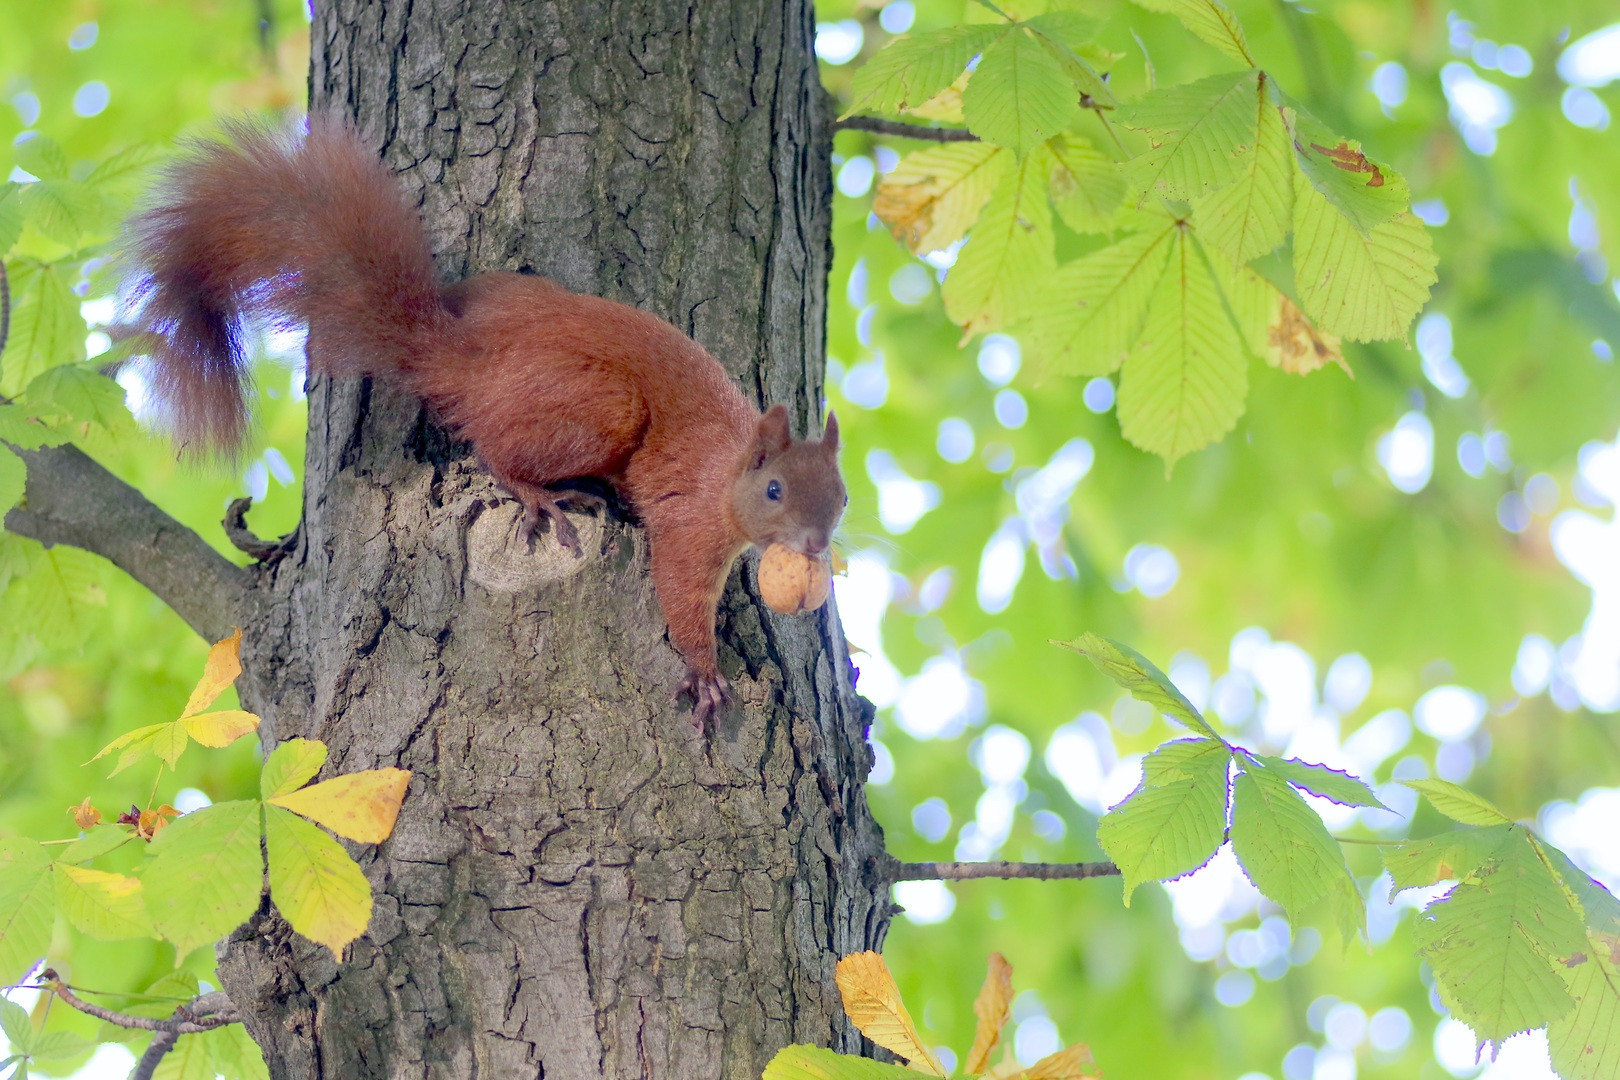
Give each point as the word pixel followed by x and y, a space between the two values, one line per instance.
pixel 708 694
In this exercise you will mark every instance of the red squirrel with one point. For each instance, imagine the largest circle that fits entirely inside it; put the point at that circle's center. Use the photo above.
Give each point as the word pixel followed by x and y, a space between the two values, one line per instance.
pixel 547 384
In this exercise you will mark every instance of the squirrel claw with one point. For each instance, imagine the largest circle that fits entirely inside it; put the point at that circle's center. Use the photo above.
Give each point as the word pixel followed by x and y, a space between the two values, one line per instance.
pixel 561 527
pixel 708 694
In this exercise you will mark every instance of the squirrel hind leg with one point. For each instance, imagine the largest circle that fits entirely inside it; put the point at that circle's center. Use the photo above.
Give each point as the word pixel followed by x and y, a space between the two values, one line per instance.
pixel 541 502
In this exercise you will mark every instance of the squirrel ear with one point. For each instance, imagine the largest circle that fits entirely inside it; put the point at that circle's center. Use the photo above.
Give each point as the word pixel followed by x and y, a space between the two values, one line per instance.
pixel 773 435
pixel 829 434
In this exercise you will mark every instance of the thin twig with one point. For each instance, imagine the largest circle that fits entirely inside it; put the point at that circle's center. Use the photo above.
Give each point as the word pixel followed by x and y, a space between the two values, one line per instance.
pixel 879 126
pixel 962 871
pixel 203 1013
pixel 242 538
pixel 5 307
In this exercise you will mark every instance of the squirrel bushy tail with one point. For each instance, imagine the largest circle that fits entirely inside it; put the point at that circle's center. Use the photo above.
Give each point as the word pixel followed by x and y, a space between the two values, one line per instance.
pixel 286 231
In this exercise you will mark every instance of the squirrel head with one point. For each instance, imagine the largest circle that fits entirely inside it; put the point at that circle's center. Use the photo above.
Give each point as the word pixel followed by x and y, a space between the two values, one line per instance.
pixel 790 491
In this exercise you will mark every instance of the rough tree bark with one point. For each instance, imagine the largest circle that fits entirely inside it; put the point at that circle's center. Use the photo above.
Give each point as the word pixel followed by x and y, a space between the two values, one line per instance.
pixel 579 885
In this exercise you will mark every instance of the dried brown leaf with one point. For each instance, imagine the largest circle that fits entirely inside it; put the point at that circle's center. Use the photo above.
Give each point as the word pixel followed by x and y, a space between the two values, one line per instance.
pixel 991 1006
pixel 873 1003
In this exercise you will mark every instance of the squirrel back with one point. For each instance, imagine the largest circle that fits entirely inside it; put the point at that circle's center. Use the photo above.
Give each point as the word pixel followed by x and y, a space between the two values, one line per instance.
pixel 284 231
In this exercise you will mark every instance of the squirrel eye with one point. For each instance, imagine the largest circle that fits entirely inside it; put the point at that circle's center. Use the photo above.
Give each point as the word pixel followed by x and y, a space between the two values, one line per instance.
pixel 773 491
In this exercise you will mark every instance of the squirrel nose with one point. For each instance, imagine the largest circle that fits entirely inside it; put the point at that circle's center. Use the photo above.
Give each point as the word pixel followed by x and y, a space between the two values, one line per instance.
pixel 814 546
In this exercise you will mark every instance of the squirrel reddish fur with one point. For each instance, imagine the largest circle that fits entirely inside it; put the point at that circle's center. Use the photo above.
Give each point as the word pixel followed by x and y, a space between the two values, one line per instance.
pixel 548 385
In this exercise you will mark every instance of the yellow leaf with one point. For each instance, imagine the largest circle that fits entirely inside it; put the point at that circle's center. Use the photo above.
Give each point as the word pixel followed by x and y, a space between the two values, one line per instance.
pixel 361 806
pixel 126 739
pixel 168 742
pixel 932 197
pixel 314 883
pixel 995 997
pixel 224 665
pixel 219 728
pixel 873 1003
pixel 102 904
pixel 1071 1063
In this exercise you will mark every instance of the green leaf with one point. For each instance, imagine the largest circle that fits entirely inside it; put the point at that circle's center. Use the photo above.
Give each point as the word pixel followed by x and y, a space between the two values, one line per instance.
pixel 1202 133
pixel 1497 943
pixel 932 197
pixel 236 1056
pixel 914 68
pixel 1019 95
pixel 95 843
pixel 1067 36
pixel 1007 255
pixel 19 427
pixel 1272 325
pixel 46 328
pixel 290 766
pixel 27 907
pixel 1585 1042
pixel 1210 20
pixel 11 215
pixel 127 164
pixel 41 156
pixel 13 479
pixel 1451 856
pixel 205 875
pixel 816 1063
pixel 1093 310
pixel 1085 186
pixel 1366 192
pixel 1184 383
pixel 64 210
pixel 81 394
pixel 1183 759
pixel 1251 216
pixel 1457 803
pixel 60 1046
pixel 1362 286
pixel 55 599
pixel 315 885
pixel 1330 784
pixel 1282 843
pixel 102 904
pixel 189 1060
pixel 1137 674
pixel 18 1028
pixel 1162 831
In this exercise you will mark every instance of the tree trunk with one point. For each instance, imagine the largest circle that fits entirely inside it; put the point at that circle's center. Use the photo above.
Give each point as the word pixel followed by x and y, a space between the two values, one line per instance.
pixel 579 885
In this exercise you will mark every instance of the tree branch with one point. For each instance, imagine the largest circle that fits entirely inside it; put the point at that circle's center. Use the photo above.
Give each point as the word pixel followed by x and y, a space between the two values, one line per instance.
pixel 900 128
pixel 204 1012
pixel 962 871
pixel 146 1067
pixel 72 500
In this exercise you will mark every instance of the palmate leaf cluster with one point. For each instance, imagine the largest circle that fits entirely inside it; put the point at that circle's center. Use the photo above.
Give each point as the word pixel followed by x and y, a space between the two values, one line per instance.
pixel 204 873
pixel 1522 940
pixel 1222 172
